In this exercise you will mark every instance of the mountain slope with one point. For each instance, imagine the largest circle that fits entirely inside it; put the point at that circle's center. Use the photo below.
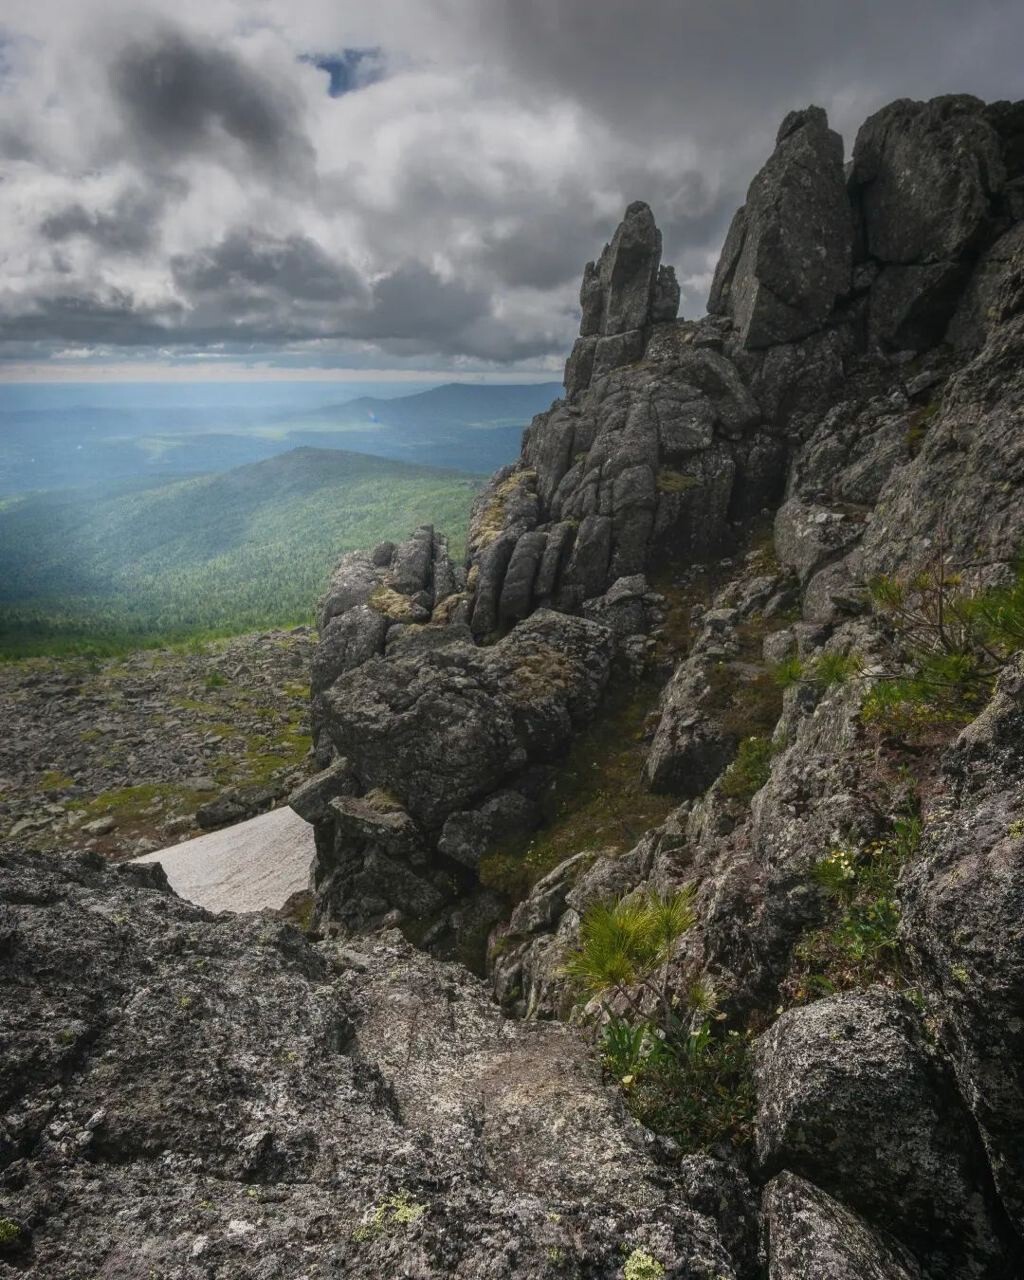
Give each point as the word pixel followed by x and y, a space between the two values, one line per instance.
pixel 247 548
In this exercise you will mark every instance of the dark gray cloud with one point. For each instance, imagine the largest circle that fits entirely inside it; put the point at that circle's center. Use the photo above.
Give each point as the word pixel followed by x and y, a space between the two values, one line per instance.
pixel 715 70
pixel 179 95
pixel 248 264
pixel 130 226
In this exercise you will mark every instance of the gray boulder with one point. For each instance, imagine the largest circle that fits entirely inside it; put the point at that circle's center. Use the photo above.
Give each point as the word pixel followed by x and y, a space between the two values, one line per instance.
pixel 963 908
pixel 925 174
pixel 810 1236
pixel 467 836
pixel 195 1095
pixel 851 1096
pixel 788 255
pixel 443 729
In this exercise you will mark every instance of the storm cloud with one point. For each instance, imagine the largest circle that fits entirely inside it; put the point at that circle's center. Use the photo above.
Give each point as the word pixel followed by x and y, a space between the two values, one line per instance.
pixel 417 182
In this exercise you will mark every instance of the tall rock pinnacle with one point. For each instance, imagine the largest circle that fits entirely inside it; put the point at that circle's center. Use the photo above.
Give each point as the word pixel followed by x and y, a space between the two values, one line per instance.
pixel 623 293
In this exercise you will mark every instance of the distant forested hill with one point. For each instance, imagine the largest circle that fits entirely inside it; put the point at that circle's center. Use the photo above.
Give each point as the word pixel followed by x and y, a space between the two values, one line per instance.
pixel 59 436
pixel 136 562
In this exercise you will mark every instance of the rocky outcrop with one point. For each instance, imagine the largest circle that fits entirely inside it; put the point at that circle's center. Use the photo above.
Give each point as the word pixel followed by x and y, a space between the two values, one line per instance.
pixel 430 735
pixel 194 1095
pixel 623 293
pixel 857 390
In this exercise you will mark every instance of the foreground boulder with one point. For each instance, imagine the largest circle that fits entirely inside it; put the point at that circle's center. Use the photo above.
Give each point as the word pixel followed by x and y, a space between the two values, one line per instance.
pixel 194 1095
pixel 808 1236
pixel 852 1097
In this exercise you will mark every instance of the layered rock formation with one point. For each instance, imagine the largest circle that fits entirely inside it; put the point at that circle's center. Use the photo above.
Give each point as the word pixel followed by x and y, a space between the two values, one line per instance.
pixel 857 392
pixel 857 380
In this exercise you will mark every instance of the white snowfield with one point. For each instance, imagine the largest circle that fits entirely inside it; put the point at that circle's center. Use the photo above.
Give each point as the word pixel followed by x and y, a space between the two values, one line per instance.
pixel 251 865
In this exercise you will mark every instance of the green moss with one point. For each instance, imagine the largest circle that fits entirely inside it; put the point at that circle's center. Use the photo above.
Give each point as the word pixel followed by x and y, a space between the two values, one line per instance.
pixel 399 1210
pixel 669 481
pixel 490 523
pixel 9 1231
pixel 129 803
pixel 392 604
pixel 54 780
pixel 749 770
pixel 641 1265
pixel 598 802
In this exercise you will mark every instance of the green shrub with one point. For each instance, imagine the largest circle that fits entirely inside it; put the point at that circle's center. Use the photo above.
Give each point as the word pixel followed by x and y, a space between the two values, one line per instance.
pixel 749 770
pixel 860 944
pixel 680 1078
pixel 622 943
pixel 699 1091
pixel 951 642
pixel 827 670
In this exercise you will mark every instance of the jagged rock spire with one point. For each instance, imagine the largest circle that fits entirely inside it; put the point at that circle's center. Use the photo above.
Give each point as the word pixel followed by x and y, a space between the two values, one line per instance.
pixel 622 294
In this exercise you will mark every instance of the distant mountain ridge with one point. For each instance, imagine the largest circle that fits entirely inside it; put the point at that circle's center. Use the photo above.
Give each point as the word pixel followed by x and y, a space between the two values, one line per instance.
pixel 132 432
pixel 465 402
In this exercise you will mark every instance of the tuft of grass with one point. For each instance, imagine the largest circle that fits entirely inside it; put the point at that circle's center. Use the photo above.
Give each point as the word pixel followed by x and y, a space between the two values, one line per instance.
pixel 621 943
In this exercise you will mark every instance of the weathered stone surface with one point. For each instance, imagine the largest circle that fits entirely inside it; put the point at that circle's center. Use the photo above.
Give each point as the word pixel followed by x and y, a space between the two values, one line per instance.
pixel 808 537
pixel 797 238
pixel 580 366
pixel 971 458
pixel 627 272
pixel 310 800
pixel 810 1236
pixel 852 1097
pixel 355 578
pixel 665 299
pixel 410 569
pixel 972 321
pixel 962 924
pixel 926 173
pixel 468 835
pixel 199 1095
pixel 911 306
pixel 348 640
pixel 517 588
pixel 442 730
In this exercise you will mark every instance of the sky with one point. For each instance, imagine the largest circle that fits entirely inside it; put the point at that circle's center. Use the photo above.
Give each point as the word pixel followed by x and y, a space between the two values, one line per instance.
pixel 288 187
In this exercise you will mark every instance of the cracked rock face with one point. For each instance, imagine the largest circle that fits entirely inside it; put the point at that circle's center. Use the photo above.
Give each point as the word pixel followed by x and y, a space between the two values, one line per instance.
pixel 788 254
pixel 195 1095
